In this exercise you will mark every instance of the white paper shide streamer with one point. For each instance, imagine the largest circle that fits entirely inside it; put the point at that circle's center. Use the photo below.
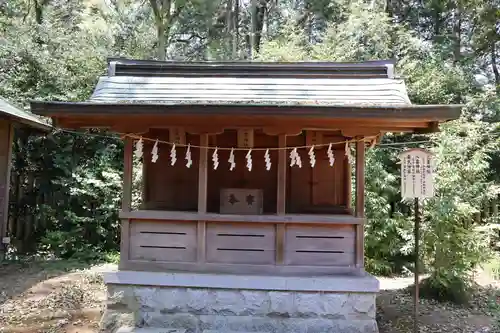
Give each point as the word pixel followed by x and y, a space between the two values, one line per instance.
pixel 139 148
pixel 215 158
pixel 331 156
pixel 267 158
pixel 295 158
pixel 348 152
pixel 249 160
pixel 154 152
pixel 312 157
pixel 173 155
pixel 232 164
pixel 188 157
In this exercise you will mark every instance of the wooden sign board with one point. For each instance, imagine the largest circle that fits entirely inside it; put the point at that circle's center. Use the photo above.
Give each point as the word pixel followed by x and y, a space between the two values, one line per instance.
pixel 241 201
pixel 177 135
pixel 245 138
pixel 314 138
pixel 417 174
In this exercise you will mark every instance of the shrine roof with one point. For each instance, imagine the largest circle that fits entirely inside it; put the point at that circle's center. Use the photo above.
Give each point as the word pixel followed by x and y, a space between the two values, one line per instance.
pixel 250 90
pixel 307 89
pixel 218 83
pixel 9 111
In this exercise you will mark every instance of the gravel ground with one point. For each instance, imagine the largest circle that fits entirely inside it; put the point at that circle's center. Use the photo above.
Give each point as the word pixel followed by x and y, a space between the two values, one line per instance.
pixel 56 298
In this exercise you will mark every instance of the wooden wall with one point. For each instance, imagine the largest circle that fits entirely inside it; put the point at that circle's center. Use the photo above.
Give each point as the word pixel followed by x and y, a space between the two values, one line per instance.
pixel 240 177
pixel 242 243
pixel 170 187
pixel 5 159
pixel 322 189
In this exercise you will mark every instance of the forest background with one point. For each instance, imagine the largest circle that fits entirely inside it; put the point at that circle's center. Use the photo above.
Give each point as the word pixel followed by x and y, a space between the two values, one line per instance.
pixel 65 187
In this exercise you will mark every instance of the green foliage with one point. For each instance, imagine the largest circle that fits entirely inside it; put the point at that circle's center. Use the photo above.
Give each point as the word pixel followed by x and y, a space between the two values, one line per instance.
pixel 452 244
pixel 388 233
pixel 446 287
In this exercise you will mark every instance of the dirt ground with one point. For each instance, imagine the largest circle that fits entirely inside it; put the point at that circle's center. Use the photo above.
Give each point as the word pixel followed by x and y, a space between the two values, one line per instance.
pixel 57 298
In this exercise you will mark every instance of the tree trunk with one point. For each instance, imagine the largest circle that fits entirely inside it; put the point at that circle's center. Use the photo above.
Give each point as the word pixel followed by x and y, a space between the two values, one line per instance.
pixel 161 42
pixel 162 15
pixel 29 211
pixel 495 67
pixel 236 14
pixel 260 13
pixel 39 9
pixel 457 34
pixel 253 28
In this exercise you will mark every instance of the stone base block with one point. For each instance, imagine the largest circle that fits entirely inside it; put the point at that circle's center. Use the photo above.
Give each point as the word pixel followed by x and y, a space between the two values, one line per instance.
pixel 239 310
pixel 128 329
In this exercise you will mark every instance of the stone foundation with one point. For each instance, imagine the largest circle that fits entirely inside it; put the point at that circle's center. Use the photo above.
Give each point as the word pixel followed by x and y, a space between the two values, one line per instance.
pixel 237 309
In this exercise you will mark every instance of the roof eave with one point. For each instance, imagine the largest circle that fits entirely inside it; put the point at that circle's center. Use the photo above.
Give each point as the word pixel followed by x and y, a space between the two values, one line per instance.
pixel 33 124
pixel 67 109
pixel 24 119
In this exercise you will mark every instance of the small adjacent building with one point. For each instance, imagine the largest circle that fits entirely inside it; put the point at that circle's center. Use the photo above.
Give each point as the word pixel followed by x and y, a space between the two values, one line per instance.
pixel 246 221
pixel 10 117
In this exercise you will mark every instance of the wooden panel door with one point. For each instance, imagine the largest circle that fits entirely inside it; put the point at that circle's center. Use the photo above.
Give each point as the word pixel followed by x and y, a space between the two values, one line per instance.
pixel 163 241
pixel 328 183
pixel 241 243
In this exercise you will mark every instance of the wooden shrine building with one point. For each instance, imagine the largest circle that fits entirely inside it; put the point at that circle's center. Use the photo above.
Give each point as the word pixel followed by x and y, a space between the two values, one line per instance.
pixel 247 172
pixel 10 117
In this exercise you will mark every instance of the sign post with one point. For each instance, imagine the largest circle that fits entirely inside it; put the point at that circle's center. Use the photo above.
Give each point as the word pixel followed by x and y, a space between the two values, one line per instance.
pixel 417 181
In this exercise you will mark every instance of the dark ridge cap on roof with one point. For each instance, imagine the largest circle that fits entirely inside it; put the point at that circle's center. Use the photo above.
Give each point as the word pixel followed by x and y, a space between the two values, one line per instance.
pixel 311 69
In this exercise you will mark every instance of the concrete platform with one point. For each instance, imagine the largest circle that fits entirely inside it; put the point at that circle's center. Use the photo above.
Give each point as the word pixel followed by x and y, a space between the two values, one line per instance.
pixel 197 303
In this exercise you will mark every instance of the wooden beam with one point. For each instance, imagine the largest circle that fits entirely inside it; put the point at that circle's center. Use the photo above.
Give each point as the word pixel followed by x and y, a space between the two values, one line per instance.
pixel 360 201
pixel 357 131
pixel 421 113
pixel 207 129
pixel 202 198
pixel 271 124
pixel 433 127
pixel 309 219
pixel 279 130
pixel 281 200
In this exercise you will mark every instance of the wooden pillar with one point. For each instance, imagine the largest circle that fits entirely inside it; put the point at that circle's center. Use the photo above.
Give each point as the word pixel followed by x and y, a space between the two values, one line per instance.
pixel 6 139
pixel 202 197
pixel 281 200
pixel 126 199
pixel 144 185
pixel 127 174
pixel 360 201
pixel 282 166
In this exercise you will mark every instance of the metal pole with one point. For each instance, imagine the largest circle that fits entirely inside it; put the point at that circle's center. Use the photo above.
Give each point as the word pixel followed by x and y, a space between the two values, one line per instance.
pixel 416 295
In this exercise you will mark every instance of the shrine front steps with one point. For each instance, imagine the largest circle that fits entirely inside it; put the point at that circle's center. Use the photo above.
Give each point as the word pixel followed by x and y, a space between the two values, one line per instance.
pixel 249 324
pixel 129 329
pixel 219 303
